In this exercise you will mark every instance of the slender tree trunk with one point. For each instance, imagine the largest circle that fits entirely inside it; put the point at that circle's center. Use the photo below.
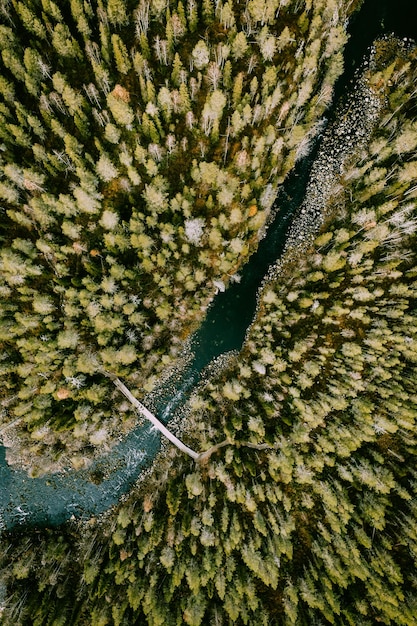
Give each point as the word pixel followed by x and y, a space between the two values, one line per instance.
pixel 200 457
pixel 155 421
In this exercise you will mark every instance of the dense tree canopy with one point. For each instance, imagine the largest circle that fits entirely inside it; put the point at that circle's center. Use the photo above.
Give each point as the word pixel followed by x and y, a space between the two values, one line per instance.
pixel 141 145
pixel 308 515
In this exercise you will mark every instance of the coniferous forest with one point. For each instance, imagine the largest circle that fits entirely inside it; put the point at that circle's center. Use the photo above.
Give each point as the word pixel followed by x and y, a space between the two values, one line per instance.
pixel 142 145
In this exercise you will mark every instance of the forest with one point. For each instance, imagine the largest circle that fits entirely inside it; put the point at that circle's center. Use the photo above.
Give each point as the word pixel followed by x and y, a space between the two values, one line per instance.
pixel 141 148
pixel 142 144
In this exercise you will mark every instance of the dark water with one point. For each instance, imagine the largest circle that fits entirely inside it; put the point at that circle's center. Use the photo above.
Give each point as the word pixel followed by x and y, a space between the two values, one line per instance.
pixel 378 17
pixel 55 498
pixel 232 311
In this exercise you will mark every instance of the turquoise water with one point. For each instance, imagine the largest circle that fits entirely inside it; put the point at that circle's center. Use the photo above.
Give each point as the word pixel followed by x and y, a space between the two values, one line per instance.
pixel 53 499
pixel 50 500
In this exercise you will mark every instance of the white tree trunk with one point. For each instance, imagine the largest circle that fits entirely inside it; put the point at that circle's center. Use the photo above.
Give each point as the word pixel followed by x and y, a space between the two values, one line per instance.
pixel 201 457
pixel 155 421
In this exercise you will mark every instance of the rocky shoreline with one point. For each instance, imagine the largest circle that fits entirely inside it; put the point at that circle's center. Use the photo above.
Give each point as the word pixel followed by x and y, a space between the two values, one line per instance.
pixel 342 140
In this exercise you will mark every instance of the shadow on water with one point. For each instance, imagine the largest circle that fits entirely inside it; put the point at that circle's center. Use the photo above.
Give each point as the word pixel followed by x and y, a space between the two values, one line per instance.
pixel 374 19
pixel 53 499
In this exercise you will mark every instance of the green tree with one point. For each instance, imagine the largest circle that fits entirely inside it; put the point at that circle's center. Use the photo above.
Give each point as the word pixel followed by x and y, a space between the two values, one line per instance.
pixel 121 55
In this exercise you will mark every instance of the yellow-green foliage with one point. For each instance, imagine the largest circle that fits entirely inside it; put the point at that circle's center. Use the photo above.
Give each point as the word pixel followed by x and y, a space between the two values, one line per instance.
pixel 308 515
pixel 141 146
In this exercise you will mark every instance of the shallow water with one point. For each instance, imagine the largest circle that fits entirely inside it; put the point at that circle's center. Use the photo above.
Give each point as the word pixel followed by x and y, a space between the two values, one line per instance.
pixel 52 499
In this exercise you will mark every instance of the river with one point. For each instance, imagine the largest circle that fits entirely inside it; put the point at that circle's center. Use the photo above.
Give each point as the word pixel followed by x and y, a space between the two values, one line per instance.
pixel 52 499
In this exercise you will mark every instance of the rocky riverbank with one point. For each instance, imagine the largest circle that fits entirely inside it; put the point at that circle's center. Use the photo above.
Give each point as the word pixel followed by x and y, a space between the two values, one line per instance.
pixel 343 141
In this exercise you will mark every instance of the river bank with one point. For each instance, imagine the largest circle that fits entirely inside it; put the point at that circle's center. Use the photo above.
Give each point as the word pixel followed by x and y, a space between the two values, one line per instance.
pixel 140 187
pixel 309 514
